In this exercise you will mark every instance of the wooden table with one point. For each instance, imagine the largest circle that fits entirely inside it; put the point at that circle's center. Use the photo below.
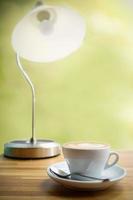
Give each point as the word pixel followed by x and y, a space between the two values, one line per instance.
pixel 27 179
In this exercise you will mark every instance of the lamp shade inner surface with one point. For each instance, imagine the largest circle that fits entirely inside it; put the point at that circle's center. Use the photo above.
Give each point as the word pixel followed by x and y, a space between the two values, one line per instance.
pixel 48 33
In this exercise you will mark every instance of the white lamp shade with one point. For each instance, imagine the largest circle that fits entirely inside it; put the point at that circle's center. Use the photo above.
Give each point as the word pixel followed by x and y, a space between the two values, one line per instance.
pixel 48 33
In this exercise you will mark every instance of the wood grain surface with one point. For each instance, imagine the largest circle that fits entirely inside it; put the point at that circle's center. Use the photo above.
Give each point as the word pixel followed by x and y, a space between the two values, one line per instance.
pixel 27 179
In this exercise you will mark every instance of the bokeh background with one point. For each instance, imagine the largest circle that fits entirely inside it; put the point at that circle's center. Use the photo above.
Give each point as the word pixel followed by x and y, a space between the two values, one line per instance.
pixel 86 96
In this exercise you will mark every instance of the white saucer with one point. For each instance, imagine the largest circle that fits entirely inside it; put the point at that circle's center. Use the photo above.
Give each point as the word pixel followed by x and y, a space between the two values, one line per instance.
pixel 114 174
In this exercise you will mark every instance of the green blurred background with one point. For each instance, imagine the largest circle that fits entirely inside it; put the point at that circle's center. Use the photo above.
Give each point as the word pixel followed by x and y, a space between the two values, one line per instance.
pixel 86 96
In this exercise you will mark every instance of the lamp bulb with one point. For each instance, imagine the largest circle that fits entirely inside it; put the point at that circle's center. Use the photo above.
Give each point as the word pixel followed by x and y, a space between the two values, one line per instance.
pixel 46 27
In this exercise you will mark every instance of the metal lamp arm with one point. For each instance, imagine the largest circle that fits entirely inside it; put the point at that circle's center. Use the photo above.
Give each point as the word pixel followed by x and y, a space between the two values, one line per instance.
pixel 27 78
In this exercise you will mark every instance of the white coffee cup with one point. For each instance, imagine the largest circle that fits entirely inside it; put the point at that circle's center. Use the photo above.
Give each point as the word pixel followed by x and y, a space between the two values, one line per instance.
pixel 89 158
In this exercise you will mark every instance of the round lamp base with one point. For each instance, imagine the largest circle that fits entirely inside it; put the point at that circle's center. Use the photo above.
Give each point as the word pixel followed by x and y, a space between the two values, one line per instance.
pixel 23 149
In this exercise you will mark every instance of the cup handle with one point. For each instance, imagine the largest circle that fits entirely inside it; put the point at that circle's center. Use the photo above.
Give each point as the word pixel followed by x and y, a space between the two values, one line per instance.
pixel 115 160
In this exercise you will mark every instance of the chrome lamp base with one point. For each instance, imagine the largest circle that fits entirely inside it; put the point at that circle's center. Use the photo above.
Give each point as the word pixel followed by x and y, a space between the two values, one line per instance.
pixel 23 149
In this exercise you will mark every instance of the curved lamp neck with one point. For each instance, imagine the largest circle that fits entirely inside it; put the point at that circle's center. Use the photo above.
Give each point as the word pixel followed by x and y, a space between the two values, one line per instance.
pixel 27 78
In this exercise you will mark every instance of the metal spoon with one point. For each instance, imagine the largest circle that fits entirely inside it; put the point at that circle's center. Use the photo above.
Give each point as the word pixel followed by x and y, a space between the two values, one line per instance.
pixel 62 174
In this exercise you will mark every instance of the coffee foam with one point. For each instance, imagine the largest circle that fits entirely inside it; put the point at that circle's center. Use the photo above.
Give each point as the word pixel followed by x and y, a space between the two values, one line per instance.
pixel 85 145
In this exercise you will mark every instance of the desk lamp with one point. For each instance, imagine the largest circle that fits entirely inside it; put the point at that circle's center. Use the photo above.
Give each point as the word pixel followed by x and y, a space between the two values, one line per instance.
pixel 46 34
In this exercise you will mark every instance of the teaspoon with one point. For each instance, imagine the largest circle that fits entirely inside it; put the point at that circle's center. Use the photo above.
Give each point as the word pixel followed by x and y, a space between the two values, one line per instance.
pixel 62 174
